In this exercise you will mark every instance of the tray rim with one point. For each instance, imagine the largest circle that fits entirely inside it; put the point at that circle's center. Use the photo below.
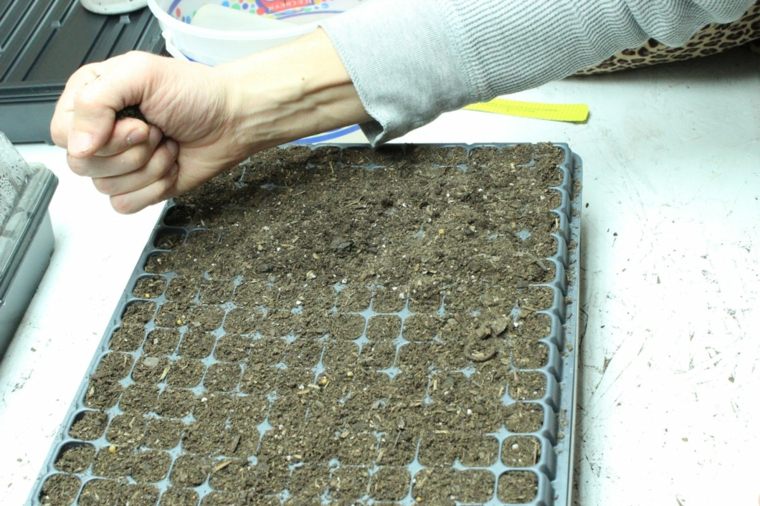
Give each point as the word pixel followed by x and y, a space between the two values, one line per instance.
pixel 554 492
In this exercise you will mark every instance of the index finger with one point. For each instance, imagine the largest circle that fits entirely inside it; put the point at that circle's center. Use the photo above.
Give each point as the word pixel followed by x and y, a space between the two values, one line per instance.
pixel 126 133
pixel 95 104
pixel 63 116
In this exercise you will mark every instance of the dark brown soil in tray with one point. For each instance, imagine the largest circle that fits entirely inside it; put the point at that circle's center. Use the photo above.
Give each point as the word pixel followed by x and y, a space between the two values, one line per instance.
pixel 327 326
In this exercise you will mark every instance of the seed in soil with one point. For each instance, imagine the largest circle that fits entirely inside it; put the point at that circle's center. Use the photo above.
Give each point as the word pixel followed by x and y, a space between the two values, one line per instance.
pixel 149 287
pixel 521 451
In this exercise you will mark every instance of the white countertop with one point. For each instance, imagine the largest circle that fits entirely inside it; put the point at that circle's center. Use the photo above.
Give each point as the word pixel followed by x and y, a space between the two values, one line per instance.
pixel 670 366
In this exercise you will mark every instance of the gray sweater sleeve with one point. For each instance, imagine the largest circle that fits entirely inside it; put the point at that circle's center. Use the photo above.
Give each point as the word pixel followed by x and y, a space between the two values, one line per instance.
pixel 411 60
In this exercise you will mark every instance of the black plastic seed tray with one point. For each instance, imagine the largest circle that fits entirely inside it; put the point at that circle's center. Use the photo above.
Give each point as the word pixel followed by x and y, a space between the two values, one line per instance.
pixel 42 42
pixel 551 470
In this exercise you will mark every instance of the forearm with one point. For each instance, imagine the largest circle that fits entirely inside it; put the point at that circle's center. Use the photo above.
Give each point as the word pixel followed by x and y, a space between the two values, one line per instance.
pixel 411 61
pixel 521 45
pixel 290 92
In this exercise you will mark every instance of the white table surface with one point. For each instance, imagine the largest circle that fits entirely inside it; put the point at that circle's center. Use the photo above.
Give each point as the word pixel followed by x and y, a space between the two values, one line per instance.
pixel 669 404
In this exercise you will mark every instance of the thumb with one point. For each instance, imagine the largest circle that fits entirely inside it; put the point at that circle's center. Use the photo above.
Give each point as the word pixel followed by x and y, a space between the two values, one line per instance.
pixel 119 82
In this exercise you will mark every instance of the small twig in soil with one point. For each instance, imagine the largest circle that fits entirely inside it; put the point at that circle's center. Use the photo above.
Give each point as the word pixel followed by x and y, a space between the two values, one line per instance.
pixel 221 466
pixel 400 426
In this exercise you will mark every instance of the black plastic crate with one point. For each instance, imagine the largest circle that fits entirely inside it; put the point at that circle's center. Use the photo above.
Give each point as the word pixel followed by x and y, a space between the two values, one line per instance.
pixel 42 42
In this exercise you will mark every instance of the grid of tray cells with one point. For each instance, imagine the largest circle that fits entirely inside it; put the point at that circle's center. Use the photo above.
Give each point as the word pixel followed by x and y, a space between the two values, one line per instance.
pixel 352 395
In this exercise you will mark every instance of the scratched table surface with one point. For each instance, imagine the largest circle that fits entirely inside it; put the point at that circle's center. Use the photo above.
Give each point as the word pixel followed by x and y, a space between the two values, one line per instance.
pixel 669 370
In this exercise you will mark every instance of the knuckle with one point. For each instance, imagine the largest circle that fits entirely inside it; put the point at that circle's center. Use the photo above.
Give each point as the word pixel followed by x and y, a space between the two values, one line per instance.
pixel 156 165
pixel 82 74
pixel 131 160
pixel 57 134
pixel 89 68
pixel 134 55
pixel 137 157
pixel 103 185
pixel 122 205
pixel 77 165
pixel 138 61
pixel 86 99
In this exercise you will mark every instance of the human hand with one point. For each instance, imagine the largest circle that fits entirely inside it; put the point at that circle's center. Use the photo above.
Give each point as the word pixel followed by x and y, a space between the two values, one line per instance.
pixel 200 120
pixel 189 136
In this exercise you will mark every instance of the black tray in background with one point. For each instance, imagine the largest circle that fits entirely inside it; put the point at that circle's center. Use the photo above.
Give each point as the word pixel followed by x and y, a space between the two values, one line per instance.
pixel 42 42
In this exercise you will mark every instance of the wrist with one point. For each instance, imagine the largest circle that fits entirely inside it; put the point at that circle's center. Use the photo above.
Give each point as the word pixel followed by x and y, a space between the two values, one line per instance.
pixel 289 92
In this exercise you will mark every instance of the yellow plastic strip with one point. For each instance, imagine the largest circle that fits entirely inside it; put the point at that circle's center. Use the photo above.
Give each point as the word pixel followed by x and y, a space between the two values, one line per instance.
pixel 573 113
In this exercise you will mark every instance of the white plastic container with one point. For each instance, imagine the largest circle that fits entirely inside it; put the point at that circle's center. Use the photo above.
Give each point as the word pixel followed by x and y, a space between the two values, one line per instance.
pixel 208 43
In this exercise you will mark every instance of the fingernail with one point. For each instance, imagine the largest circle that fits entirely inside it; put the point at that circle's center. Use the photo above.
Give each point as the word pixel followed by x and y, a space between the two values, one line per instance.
pixel 155 135
pixel 79 143
pixel 136 136
pixel 173 147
